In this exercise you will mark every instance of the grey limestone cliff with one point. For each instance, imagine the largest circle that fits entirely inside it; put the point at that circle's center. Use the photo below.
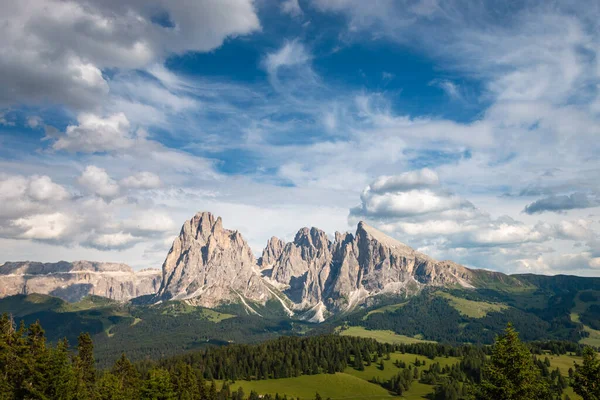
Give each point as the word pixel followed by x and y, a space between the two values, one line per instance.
pixel 71 281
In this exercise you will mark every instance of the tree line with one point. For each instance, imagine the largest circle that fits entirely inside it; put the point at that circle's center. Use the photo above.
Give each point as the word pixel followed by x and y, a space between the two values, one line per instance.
pixel 30 368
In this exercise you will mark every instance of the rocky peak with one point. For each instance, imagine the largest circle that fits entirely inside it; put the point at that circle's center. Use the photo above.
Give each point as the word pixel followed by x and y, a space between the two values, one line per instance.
pixel 366 232
pixel 208 265
pixel 271 253
pixel 313 242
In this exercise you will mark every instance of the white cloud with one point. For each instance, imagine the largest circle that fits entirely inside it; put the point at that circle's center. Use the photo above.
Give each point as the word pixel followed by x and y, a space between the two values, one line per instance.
pixel 141 180
pixel 55 51
pixel 406 203
pixel 116 240
pixel 151 222
pixel 536 130
pixel 449 87
pixel 96 134
pixel 415 208
pixel 44 226
pixel 293 55
pixel 291 7
pixel 34 121
pixel 406 181
pixel 97 181
pixel 41 188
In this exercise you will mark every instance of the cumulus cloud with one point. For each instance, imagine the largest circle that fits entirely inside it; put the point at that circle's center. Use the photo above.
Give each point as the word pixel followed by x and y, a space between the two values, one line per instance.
pixel 96 134
pixel 55 51
pixel 96 180
pixel 406 203
pixel 108 241
pixel 409 194
pixel 562 203
pixel 150 222
pixel 44 226
pixel 414 207
pixel 19 195
pixel 141 180
pixel 41 188
pixel 407 181
pixel 38 209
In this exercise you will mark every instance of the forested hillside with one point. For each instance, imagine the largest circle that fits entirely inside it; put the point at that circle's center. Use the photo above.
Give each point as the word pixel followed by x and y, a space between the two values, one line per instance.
pixel 33 369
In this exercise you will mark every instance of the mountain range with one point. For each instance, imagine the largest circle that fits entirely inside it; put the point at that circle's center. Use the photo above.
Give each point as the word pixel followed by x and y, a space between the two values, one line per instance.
pixel 212 290
pixel 312 277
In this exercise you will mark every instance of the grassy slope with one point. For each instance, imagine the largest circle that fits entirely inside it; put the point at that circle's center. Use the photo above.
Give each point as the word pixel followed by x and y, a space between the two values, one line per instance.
pixel 564 362
pixel 470 308
pixel 417 390
pixel 336 386
pixel 381 336
pixel 580 308
pixel 353 384
pixel 20 305
pixel 390 369
pixel 384 309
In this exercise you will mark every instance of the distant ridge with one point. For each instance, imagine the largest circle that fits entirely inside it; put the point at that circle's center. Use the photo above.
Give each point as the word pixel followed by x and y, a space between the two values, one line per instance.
pixel 72 281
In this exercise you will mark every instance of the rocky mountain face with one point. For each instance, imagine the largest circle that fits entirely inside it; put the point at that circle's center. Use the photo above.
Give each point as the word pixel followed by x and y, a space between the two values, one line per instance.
pixel 336 276
pixel 71 281
pixel 208 265
pixel 313 275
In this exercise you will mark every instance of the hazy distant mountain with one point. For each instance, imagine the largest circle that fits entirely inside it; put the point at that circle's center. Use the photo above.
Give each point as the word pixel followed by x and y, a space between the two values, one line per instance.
pixel 71 281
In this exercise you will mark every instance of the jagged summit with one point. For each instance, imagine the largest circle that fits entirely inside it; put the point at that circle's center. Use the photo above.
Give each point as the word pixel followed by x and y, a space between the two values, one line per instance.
pixel 363 229
pixel 208 265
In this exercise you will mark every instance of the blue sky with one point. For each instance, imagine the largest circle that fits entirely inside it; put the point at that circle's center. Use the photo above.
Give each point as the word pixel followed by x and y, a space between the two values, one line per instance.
pixel 467 130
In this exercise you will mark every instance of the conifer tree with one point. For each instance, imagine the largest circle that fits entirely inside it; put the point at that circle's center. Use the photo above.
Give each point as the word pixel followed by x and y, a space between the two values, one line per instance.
pixel 157 386
pixel 61 377
pixel 511 373
pixel 128 378
pixel 185 382
pixel 85 367
pixel 586 377
pixel 108 388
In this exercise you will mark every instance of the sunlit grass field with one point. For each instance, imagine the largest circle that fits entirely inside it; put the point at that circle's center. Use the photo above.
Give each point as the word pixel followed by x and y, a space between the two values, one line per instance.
pixel 335 386
pixel 381 336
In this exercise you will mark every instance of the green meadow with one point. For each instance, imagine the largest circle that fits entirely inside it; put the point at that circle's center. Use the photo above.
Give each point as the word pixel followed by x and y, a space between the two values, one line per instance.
pixel 381 336
pixel 335 386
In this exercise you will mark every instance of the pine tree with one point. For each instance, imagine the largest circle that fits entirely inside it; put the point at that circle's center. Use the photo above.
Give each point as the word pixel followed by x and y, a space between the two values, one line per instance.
pixel 511 373
pixel 35 360
pixel 185 382
pixel 158 386
pixel 128 378
pixel 109 388
pixel 212 391
pixel 61 377
pixel 586 377
pixel 85 367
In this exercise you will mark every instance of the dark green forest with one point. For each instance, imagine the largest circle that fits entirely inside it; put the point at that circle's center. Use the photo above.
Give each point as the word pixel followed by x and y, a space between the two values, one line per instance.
pixel 30 368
